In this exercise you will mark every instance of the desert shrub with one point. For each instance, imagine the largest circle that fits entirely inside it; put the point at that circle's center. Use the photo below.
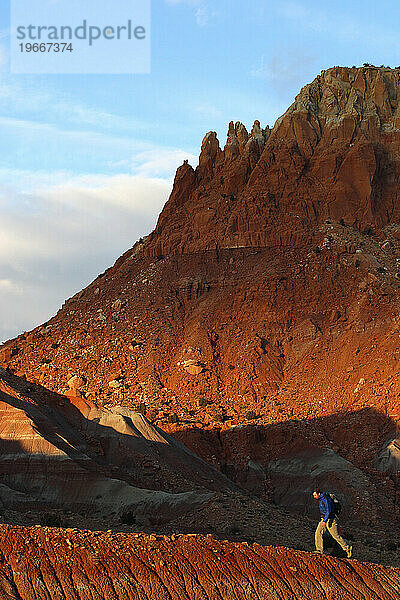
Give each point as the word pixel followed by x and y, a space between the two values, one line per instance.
pixel 152 414
pixel 391 546
pixel 219 418
pixel 141 408
pixel 51 520
pixel 202 402
pixel 128 518
pixel 173 418
pixel 250 415
pixel 235 530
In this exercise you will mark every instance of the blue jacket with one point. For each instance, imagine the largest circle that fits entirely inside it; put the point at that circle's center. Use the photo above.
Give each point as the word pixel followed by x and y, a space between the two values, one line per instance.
pixel 326 507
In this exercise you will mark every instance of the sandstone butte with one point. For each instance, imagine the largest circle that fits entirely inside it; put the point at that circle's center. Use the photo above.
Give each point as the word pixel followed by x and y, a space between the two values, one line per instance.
pixel 259 325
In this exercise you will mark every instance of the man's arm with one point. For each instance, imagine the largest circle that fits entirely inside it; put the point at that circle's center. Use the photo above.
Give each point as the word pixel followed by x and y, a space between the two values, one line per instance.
pixel 324 506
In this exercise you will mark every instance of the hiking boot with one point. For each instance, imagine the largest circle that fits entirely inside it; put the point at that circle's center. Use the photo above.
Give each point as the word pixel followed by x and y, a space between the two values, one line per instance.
pixel 350 552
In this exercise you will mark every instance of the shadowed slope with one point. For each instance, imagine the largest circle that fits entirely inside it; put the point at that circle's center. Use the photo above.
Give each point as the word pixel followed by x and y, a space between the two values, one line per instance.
pixel 52 455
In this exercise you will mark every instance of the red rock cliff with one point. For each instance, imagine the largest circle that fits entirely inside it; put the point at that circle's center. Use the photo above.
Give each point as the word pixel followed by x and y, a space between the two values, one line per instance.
pixel 333 154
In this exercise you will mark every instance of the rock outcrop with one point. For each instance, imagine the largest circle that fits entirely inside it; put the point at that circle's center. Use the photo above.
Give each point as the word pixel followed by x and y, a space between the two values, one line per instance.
pixel 333 154
pixel 73 564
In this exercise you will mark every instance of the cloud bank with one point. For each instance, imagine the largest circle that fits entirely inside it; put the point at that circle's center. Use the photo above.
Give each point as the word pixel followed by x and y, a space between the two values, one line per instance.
pixel 58 230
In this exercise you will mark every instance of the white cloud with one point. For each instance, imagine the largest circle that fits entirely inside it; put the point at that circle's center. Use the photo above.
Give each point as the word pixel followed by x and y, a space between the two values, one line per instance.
pixel 10 287
pixel 261 71
pixel 207 110
pixel 159 162
pixel 203 13
pixel 50 131
pixel 36 102
pixel 88 195
pixel 59 230
pixel 287 70
pixel 67 147
pixel 57 220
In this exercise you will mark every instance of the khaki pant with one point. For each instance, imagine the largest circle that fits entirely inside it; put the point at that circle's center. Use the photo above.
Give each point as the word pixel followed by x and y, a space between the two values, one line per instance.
pixel 332 527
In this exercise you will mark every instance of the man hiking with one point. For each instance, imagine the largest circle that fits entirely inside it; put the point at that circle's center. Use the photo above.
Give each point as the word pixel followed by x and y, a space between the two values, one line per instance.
pixel 328 522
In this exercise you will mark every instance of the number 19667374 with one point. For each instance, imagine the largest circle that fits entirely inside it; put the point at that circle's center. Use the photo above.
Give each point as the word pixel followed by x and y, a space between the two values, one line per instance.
pixel 46 47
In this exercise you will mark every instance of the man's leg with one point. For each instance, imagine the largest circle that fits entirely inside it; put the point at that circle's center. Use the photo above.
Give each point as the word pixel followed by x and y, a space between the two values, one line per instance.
pixel 333 530
pixel 319 541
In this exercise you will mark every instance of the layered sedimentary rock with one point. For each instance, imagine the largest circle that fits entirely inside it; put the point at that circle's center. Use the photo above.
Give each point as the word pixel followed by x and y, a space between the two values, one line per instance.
pixel 73 564
pixel 53 455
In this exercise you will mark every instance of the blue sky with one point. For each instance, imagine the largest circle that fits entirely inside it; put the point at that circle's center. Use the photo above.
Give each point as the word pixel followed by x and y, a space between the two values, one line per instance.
pixel 87 161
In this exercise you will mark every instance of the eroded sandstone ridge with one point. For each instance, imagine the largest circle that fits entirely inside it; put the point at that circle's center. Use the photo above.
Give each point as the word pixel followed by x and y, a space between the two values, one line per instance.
pixel 78 565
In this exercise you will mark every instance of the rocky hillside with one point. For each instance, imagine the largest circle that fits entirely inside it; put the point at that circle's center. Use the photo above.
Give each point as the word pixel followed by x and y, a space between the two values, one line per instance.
pixel 78 565
pixel 270 282
pixel 259 323
pixel 58 455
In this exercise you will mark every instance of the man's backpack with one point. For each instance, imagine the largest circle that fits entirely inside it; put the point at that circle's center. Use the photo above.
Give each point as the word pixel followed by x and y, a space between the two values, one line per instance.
pixel 338 506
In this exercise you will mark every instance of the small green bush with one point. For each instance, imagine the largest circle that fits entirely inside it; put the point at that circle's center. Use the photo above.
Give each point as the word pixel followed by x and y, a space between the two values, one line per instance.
pixel 152 414
pixel 173 418
pixel 141 408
